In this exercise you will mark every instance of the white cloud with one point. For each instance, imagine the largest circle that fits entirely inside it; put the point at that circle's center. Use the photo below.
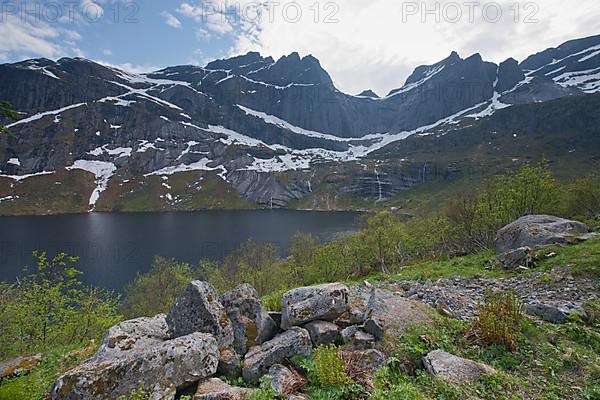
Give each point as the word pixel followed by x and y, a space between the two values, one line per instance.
pixel 107 52
pixel 170 19
pixel 372 47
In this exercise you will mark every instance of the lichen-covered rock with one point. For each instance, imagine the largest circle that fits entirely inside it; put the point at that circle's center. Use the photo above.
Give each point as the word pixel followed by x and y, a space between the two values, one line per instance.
pixel 198 309
pixel 363 340
pixel 275 351
pixel 230 364
pixel 163 391
pixel 284 381
pixel 537 230
pixel 547 312
pixel 116 371
pixel 251 323
pixel 18 365
pixel 134 333
pixel 455 369
pixel 386 311
pixel 322 332
pixel 347 334
pixel 216 389
pixel 517 258
pixel 321 302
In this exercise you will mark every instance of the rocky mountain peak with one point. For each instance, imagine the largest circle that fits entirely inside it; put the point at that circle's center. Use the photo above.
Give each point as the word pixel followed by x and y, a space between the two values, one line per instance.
pixel 368 93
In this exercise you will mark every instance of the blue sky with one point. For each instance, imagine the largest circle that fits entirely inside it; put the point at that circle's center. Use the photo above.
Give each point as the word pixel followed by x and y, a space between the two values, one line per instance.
pixel 374 44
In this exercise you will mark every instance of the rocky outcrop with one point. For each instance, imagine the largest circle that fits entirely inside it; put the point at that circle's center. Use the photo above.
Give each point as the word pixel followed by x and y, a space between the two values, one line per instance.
pixel 295 341
pixel 305 304
pixel 251 323
pixel 216 389
pixel 116 372
pixel 387 311
pixel 453 368
pixel 538 230
pixel 199 310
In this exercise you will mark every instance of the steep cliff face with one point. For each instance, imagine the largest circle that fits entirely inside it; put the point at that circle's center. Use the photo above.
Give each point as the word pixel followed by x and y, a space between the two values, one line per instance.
pixel 271 130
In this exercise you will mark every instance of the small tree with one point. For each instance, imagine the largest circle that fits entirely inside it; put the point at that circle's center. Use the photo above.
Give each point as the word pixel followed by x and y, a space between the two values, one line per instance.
pixel 155 291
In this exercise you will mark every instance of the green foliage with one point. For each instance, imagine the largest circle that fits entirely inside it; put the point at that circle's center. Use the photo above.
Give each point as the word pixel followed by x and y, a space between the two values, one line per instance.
pixel 328 367
pixel 272 302
pixel 583 199
pixel 499 319
pixel 264 391
pixel 531 189
pixel 137 394
pixel 36 384
pixel 6 111
pixel 155 291
pixel 392 383
pixel 51 307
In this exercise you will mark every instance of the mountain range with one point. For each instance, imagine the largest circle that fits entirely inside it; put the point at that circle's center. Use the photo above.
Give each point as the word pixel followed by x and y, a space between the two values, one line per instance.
pixel 252 131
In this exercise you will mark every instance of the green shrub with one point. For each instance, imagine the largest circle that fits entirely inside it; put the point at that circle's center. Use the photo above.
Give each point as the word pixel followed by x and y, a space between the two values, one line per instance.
pixel 155 291
pixel 328 367
pixel 51 307
pixel 272 302
pixel 264 391
pixel 499 319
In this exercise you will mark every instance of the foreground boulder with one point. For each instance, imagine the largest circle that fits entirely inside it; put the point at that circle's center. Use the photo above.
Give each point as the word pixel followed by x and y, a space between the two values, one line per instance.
pixel 135 354
pixel 538 230
pixel 321 302
pixel 216 389
pixel 454 369
pixel 199 310
pixel 251 323
pixel 387 311
pixel 548 312
pixel 259 359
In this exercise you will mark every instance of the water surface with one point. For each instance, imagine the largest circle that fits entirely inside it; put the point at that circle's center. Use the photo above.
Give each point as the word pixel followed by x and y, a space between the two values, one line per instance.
pixel 114 247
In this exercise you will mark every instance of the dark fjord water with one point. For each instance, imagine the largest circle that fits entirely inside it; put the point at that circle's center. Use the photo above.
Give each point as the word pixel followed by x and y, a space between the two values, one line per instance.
pixel 114 247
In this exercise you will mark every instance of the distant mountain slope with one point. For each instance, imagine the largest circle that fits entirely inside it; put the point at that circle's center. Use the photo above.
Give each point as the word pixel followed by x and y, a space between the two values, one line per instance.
pixel 269 130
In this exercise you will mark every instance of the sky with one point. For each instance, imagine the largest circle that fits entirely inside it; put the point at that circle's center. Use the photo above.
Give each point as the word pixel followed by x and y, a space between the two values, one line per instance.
pixel 363 44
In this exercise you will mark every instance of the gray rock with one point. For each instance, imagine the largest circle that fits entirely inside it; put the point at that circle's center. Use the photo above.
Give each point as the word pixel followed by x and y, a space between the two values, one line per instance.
pixel 386 311
pixel 199 310
pixel 547 312
pixel 116 371
pixel 538 230
pixel 251 323
pixel 517 258
pixel 283 380
pixel 230 364
pixel 297 396
pixel 368 360
pixel 216 389
pixel 348 333
pixel 163 391
pixel 290 343
pixel 322 332
pixel 321 302
pixel 18 365
pixel 363 340
pixel 454 369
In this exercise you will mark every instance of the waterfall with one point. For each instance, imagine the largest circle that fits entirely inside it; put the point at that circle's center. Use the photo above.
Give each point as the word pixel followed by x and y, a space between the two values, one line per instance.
pixel 379 185
pixel 309 187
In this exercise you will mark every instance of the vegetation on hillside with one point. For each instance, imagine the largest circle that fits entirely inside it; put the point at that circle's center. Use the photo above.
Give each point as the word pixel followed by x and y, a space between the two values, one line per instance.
pixel 50 311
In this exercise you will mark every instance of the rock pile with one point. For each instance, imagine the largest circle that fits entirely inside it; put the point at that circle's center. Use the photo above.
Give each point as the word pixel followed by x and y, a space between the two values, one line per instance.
pixel 204 334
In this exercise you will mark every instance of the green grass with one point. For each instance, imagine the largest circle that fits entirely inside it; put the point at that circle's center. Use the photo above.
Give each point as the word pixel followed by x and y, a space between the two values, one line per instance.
pixel 36 384
pixel 582 259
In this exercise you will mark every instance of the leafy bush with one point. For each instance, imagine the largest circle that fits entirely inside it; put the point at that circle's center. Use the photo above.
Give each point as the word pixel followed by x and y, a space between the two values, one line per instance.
pixel 328 367
pixel 499 319
pixel 51 308
pixel 264 391
pixel 155 291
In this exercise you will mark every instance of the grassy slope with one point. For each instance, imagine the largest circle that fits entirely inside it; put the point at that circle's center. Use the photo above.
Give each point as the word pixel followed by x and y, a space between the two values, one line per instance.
pixel 552 362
